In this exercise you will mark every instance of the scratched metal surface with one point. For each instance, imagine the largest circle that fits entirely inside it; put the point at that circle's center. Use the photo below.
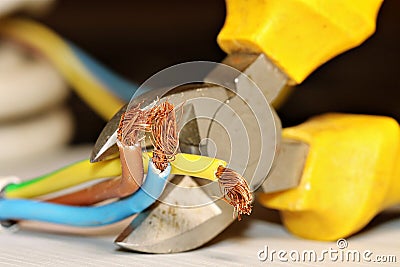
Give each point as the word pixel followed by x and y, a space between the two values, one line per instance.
pixel 237 246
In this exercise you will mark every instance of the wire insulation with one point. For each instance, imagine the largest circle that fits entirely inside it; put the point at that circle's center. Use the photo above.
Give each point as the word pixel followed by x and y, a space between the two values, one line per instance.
pixel 128 183
pixel 21 209
pixel 118 85
pixel 68 176
pixel 55 49
pixel 84 171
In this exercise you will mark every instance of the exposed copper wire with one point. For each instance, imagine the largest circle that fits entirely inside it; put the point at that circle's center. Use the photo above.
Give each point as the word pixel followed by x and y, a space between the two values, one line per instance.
pixel 160 121
pixel 235 190
pixel 132 122
pixel 164 134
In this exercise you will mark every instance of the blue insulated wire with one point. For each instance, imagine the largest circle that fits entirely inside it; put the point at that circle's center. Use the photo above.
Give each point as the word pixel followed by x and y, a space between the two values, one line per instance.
pixel 22 209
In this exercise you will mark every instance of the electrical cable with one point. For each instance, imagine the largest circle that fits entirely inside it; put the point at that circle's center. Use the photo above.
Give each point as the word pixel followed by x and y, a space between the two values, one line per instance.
pixel 108 189
pixel 84 171
pixel 55 49
pixel 68 176
pixel 122 88
pixel 160 120
pixel 21 209
pixel 122 186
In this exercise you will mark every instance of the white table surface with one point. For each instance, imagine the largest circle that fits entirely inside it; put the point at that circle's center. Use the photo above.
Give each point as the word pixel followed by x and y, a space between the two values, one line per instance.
pixel 41 245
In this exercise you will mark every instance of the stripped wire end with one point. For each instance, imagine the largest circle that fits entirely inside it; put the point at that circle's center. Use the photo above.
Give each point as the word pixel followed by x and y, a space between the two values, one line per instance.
pixel 132 122
pixel 164 134
pixel 235 189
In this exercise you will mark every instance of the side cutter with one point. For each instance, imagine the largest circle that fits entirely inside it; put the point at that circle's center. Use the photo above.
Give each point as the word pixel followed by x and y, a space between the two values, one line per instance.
pixel 188 215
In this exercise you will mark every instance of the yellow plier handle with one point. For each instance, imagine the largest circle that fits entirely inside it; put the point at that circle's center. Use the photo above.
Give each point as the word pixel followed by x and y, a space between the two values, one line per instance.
pixel 352 172
pixel 352 169
pixel 297 35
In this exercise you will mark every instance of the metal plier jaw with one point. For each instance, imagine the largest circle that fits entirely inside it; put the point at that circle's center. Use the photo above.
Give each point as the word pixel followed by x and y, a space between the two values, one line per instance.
pixel 227 116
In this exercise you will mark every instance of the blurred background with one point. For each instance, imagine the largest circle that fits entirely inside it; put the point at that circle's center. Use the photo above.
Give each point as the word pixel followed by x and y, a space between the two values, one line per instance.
pixel 138 38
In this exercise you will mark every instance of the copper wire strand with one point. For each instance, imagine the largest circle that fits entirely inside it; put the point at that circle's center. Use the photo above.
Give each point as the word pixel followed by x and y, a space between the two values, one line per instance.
pixel 235 190
pixel 164 134
pixel 132 122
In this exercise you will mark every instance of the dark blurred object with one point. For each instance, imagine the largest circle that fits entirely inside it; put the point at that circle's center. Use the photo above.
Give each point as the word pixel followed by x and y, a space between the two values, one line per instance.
pixel 137 39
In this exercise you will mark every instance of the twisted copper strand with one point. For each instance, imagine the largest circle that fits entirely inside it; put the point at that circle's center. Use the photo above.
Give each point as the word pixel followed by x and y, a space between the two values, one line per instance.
pixel 164 134
pixel 235 190
pixel 132 122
